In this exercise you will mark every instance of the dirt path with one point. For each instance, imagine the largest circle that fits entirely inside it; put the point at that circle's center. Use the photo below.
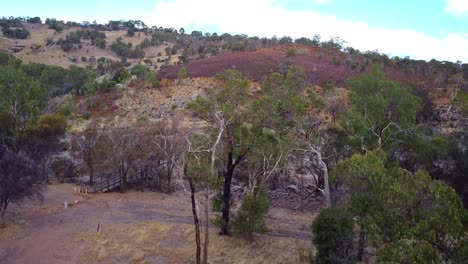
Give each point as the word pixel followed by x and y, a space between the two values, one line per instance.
pixel 49 233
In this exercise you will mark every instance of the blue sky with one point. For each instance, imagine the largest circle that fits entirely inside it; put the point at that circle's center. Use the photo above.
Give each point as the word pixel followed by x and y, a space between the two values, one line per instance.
pixel 421 29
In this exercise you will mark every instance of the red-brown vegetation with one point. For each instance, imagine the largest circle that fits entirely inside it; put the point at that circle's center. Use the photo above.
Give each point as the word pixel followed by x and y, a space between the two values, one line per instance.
pixel 321 65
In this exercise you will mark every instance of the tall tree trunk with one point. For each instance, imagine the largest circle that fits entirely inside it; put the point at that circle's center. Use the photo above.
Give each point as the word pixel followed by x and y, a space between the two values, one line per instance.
pixel 91 174
pixel 2 213
pixel 227 192
pixel 326 183
pixel 169 175
pixel 196 221
pixel 226 202
pixel 230 167
pixel 123 178
pixel 207 228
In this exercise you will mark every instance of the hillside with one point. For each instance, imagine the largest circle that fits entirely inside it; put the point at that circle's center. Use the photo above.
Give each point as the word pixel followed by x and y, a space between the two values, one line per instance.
pixel 322 66
pixel 126 143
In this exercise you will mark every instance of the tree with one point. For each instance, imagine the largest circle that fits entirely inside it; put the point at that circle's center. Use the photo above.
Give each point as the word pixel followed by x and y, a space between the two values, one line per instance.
pixel 34 20
pixel 20 179
pixel 251 215
pixel 199 170
pixel 404 216
pixel 333 233
pixel 89 147
pixel 283 108
pixel 182 73
pixel 195 171
pixel 224 109
pixel 125 151
pixel 78 78
pixel 170 143
pixel 41 139
pixel 382 111
pixel 21 101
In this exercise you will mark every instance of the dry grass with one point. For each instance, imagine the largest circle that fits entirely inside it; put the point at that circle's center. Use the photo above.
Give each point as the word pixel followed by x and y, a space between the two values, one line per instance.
pixel 174 243
pixel 54 55
pixel 8 231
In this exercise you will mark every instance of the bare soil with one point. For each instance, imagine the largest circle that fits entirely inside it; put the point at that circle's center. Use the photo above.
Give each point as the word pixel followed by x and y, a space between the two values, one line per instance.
pixel 136 227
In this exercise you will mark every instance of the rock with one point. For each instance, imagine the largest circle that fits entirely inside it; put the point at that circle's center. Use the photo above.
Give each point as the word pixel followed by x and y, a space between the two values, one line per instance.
pixel 73 59
pixel 292 187
pixel 16 48
pixel 20 221
pixel 178 102
pixel 35 47
pixel 162 112
pixel 194 96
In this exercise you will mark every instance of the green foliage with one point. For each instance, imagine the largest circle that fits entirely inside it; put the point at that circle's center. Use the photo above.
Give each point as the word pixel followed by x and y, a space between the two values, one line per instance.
pixel 315 101
pixel 382 111
pixel 462 101
pixel 251 215
pixel 228 97
pixel 98 39
pixel 86 115
pixel 182 73
pixel 404 216
pixel 15 33
pixel 34 20
pixel 41 139
pixel 78 78
pixel 281 106
pixel 105 86
pixel 139 70
pixel 126 50
pixel 55 78
pixel 57 25
pixel 21 100
pixel 66 108
pixel 13 28
pixel 108 66
pixel 122 75
pixel 333 233
pixel 48 126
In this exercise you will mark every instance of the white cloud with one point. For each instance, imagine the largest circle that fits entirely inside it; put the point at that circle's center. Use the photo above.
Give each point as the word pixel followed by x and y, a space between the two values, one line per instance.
pixel 265 18
pixel 457 7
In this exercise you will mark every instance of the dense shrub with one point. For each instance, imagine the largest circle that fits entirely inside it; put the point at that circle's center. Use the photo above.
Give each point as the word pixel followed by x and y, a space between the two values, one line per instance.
pixel 251 216
pixel 126 50
pixel 13 28
pixel 34 20
pixel 333 236
pixel 55 24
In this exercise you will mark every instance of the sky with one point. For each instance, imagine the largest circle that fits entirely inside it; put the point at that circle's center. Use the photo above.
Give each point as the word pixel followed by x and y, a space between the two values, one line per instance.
pixel 420 29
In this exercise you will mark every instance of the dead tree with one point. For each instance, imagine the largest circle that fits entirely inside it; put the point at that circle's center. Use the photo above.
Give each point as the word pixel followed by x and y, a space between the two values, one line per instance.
pixel 88 148
pixel 20 179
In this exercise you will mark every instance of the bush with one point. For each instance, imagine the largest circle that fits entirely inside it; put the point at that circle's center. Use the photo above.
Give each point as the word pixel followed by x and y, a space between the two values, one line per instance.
pixel 34 20
pixel 66 108
pixel 86 115
pixel 62 168
pixel 20 179
pixel 333 236
pixel 16 33
pixel 139 70
pixel 121 75
pixel 251 216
